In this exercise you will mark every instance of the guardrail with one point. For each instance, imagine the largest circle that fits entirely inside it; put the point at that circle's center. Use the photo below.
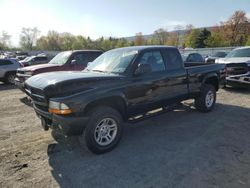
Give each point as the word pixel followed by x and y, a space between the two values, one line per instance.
pixel 206 51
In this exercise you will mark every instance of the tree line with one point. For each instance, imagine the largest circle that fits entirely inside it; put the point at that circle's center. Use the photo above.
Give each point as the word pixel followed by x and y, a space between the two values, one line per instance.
pixel 233 32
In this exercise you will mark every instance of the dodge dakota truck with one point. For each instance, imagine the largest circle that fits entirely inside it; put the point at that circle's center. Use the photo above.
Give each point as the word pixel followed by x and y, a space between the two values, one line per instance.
pixel 117 86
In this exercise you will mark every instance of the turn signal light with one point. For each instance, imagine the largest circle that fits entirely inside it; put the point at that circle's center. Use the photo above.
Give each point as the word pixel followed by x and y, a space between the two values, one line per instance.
pixel 60 112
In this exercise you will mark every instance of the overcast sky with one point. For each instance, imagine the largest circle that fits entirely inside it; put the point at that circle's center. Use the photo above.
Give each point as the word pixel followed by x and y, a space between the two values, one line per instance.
pixel 96 18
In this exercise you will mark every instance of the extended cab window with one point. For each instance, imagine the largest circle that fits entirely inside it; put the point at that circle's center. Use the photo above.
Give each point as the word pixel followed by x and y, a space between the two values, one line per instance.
pixel 154 59
pixel 5 62
pixel 80 59
pixel 173 59
pixel 41 58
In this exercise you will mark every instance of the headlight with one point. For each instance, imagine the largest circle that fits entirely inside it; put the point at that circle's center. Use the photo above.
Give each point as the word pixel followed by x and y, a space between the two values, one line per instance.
pixel 59 108
pixel 29 73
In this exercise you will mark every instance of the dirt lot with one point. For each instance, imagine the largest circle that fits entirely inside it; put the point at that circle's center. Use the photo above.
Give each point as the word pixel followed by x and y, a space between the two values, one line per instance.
pixel 183 148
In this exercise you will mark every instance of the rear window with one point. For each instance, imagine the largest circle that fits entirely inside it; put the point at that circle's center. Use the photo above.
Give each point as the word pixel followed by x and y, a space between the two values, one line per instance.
pixel 173 59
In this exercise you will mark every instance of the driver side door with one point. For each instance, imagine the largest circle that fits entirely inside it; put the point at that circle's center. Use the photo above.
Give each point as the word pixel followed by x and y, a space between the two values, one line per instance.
pixel 146 91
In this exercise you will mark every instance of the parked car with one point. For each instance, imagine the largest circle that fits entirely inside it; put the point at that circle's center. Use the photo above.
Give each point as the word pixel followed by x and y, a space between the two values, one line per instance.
pixel 213 57
pixel 35 60
pixel 64 61
pixel 193 59
pixel 240 81
pixel 21 55
pixel 237 61
pixel 8 69
pixel 117 86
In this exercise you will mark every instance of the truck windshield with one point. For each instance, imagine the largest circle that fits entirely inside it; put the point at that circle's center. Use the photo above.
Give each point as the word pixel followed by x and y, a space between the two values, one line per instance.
pixel 61 58
pixel 113 61
pixel 239 53
pixel 27 59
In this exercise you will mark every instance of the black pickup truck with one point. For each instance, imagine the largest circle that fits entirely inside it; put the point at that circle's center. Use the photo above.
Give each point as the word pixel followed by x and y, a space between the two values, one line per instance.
pixel 119 85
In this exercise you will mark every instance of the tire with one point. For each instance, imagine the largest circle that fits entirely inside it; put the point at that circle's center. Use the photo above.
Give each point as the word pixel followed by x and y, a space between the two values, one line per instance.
pixel 9 78
pixel 206 101
pixel 103 130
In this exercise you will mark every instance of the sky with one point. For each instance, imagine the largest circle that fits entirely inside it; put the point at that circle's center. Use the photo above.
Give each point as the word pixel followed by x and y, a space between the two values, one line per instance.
pixel 96 18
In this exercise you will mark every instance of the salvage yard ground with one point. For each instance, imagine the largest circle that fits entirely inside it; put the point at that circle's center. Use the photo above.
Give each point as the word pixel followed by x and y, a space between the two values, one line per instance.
pixel 183 148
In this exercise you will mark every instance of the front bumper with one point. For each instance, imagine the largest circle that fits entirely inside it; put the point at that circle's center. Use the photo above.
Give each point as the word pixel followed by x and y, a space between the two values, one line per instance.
pixel 240 81
pixel 67 124
pixel 19 84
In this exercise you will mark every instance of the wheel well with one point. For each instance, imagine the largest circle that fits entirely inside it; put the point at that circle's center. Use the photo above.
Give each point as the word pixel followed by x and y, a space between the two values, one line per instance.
pixel 213 81
pixel 9 72
pixel 115 102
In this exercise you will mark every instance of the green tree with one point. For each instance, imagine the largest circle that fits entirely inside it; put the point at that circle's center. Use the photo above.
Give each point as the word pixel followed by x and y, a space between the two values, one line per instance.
pixel 161 36
pixel 191 40
pixel 67 40
pixel 4 41
pixel 80 43
pixel 139 39
pixel 216 39
pixel 200 40
pixel 28 38
pixel 248 41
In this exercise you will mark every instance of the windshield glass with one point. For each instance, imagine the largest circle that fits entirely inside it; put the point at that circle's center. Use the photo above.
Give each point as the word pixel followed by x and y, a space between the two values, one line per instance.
pixel 113 61
pixel 239 53
pixel 28 59
pixel 219 54
pixel 61 58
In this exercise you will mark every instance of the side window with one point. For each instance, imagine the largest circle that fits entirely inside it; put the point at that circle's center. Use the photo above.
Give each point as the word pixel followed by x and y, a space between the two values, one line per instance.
pixel 41 58
pixel 154 59
pixel 80 59
pixel 5 62
pixel 93 55
pixel 173 59
pixel 198 58
pixel 191 58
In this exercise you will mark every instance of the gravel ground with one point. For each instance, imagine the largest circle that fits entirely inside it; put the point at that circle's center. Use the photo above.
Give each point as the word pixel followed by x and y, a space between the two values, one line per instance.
pixel 183 148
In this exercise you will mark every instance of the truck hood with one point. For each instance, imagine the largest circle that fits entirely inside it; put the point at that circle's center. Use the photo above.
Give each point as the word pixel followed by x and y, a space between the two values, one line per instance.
pixel 41 66
pixel 233 60
pixel 58 84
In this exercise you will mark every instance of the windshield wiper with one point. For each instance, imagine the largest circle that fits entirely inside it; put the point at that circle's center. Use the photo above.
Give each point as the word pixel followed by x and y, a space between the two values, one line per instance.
pixel 98 70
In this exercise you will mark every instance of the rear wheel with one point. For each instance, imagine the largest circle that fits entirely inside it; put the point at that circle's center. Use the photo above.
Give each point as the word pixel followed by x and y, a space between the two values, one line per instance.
pixel 10 77
pixel 103 130
pixel 205 102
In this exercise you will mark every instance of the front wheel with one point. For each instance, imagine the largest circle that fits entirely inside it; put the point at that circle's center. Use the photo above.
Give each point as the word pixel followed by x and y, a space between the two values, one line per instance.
pixel 10 78
pixel 103 130
pixel 206 101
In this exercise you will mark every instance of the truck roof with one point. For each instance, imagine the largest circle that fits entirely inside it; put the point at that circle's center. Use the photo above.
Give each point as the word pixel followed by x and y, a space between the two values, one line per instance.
pixel 85 51
pixel 139 48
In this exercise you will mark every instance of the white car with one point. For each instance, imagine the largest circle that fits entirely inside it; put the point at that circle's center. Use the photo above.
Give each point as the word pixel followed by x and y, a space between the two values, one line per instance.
pixel 8 68
pixel 237 61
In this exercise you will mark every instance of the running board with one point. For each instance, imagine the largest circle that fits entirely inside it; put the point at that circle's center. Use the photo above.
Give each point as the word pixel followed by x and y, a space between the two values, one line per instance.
pixel 154 113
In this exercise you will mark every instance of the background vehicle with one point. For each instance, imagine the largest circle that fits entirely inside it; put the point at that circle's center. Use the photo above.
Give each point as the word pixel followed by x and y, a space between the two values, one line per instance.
pixel 21 55
pixel 64 61
pixel 35 60
pixel 193 59
pixel 237 61
pixel 239 81
pixel 117 86
pixel 8 69
pixel 213 57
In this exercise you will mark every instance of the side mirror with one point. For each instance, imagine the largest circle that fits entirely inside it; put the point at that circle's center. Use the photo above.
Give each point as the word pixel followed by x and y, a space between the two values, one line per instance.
pixel 143 69
pixel 88 63
pixel 73 62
